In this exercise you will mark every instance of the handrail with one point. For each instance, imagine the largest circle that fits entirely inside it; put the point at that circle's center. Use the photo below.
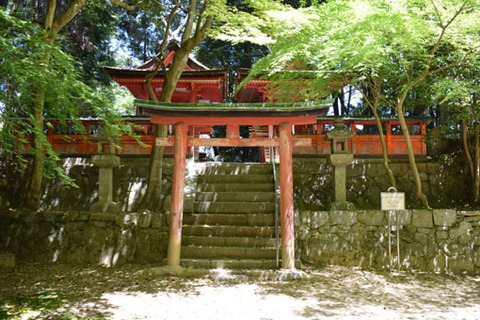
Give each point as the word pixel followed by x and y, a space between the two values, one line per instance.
pixel 277 233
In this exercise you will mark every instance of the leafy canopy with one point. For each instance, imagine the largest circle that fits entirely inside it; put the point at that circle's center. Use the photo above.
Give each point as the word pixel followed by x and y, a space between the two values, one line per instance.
pixel 23 46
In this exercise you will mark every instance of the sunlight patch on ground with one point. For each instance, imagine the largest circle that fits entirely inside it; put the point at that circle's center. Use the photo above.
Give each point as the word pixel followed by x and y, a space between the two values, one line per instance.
pixel 243 301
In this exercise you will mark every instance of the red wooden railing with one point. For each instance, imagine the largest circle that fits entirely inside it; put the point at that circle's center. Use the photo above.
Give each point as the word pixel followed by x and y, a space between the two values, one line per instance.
pixel 366 141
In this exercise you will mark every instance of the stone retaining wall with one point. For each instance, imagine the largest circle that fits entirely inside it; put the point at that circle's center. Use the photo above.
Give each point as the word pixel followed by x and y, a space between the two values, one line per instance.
pixel 430 240
pixel 84 238
pixel 445 186
pixel 129 183
pixel 438 240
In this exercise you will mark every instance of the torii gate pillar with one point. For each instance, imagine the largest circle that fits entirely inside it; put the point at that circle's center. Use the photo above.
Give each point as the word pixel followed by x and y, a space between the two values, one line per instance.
pixel 178 183
pixel 286 197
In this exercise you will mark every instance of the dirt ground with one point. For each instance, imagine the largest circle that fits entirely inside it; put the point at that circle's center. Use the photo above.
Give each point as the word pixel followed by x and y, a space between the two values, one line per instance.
pixel 32 291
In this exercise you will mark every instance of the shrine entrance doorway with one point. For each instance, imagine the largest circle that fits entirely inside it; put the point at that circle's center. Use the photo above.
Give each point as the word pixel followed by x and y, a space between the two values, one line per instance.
pixel 232 116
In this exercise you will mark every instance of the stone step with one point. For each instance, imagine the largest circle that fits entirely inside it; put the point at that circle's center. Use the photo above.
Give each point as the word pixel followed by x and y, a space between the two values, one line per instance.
pixel 194 252
pixel 235 187
pixel 229 242
pixel 229 231
pixel 242 178
pixel 233 207
pixel 236 196
pixel 256 219
pixel 234 263
pixel 228 264
pixel 237 168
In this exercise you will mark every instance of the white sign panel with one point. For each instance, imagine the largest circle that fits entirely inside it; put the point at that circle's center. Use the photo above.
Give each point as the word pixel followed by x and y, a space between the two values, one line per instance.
pixel 392 200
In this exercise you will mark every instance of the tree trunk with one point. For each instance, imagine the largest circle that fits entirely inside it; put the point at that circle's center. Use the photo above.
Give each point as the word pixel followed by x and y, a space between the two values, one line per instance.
pixel 476 176
pixel 34 190
pixel 411 157
pixel 466 148
pixel 152 198
pixel 386 163
pixel 153 195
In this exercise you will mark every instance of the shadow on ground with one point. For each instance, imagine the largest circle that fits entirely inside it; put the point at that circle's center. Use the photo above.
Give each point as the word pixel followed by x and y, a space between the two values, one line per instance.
pixel 147 292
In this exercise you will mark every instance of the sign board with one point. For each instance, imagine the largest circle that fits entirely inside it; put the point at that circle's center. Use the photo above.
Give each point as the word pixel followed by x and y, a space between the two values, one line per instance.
pixel 392 200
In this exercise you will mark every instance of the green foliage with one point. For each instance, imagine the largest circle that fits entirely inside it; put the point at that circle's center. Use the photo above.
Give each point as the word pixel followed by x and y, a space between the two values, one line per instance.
pixel 23 48
pixel 141 30
pixel 386 43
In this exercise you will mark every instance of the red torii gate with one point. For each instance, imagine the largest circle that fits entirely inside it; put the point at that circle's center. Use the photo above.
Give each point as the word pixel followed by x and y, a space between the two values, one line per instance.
pixel 233 116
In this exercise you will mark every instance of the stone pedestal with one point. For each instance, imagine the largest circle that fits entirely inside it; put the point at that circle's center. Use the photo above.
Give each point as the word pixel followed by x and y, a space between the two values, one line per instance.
pixel 106 163
pixel 340 163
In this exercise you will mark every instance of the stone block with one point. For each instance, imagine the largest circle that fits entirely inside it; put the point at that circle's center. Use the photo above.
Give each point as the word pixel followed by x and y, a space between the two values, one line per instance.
pixel 7 260
pixel 453 249
pixel 144 219
pixel 109 207
pixel 102 216
pixel 423 176
pixel 460 263
pixel 371 217
pixel 422 218
pixel 476 258
pixel 465 239
pixel 462 229
pixel 400 169
pixel 375 169
pixel 79 215
pixel 167 203
pixel 422 238
pixel 126 220
pixel 437 263
pixel 411 229
pixel 98 224
pixel 425 230
pixel 319 219
pixel 343 217
pixel 444 217
pixel 159 221
pixel 442 235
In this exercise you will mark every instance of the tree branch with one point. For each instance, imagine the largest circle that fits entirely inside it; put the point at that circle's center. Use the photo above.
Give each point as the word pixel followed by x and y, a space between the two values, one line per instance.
pixel 200 16
pixel 444 28
pixel 51 7
pixel 167 31
pixel 453 64
pixel 124 5
pixel 190 19
pixel 63 18
pixel 437 12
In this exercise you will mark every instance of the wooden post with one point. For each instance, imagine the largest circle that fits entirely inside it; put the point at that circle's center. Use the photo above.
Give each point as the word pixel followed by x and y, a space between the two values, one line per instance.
pixel 233 131
pixel 178 183
pixel 286 197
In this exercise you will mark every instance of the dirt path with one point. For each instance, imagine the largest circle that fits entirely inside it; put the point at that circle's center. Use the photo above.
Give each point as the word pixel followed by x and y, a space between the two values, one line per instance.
pixel 139 292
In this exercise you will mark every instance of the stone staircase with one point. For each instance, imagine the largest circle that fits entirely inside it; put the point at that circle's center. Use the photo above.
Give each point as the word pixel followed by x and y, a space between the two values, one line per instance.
pixel 233 224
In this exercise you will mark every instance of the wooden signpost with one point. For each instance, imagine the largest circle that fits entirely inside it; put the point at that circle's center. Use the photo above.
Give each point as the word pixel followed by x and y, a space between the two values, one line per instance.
pixel 393 201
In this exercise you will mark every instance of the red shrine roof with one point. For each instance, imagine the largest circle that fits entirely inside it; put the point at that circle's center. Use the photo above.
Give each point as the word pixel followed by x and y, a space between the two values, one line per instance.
pixel 192 63
pixel 197 83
